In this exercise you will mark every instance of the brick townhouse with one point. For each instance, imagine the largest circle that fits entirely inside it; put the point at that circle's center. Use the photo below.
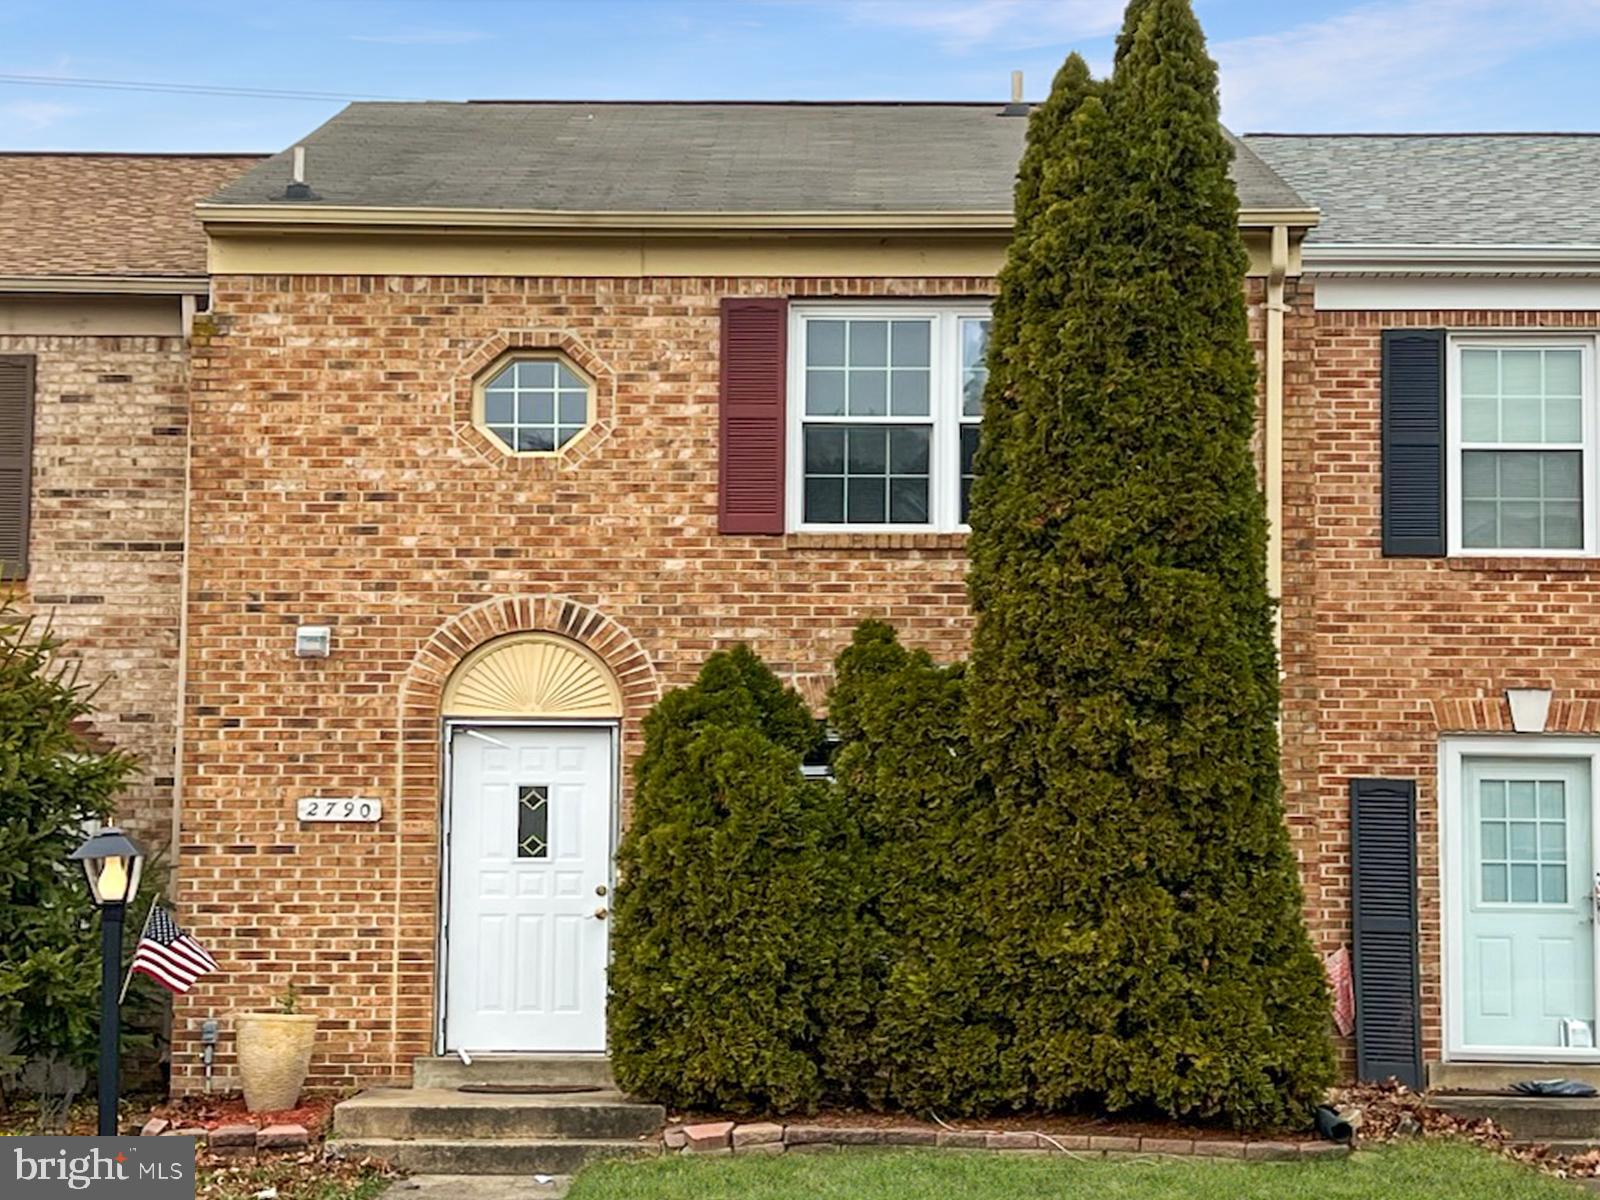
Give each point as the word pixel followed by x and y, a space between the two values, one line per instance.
pixel 505 415
pixel 102 259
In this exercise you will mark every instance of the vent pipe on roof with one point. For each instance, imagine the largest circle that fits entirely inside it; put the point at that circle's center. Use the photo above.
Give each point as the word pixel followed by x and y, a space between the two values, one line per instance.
pixel 1018 107
pixel 298 188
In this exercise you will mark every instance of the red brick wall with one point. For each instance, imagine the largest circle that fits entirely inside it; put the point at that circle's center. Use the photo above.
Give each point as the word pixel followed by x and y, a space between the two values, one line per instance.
pixel 106 543
pixel 1385 656
pixel 336 480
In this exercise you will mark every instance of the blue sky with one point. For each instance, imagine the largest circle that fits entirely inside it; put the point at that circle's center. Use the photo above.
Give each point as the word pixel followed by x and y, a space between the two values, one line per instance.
pixel 1287 64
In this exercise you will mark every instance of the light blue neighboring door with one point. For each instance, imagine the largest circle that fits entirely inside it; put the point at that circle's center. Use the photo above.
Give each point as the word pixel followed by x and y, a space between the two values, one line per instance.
pixel 1528 883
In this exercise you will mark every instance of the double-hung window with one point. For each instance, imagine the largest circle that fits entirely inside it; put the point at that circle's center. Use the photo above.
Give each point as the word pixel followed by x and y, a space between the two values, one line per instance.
pixel 1522 429
pixel 883 416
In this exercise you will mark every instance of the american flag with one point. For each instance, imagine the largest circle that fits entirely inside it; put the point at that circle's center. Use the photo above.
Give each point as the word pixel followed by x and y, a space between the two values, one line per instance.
pixel 169 955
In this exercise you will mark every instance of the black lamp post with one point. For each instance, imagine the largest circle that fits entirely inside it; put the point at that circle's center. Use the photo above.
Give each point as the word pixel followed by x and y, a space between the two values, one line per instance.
pixel 112 864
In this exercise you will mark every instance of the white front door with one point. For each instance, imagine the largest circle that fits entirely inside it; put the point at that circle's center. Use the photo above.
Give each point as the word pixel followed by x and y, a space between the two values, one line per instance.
pixel 529 860
pixel 1526 896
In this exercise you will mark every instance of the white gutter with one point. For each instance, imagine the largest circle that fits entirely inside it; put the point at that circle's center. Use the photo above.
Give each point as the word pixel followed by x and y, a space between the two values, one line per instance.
pixel 303 216
pixel 1272 432
pixel 115 285
pixel 183 618
pixel 1331 258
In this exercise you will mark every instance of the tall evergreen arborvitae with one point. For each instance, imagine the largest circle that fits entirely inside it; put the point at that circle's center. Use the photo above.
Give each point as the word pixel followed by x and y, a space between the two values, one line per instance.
pixel 1122 695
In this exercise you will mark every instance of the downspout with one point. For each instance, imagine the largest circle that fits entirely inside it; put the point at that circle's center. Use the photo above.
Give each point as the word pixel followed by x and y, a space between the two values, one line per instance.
pixel 1272 432
pixel 190 318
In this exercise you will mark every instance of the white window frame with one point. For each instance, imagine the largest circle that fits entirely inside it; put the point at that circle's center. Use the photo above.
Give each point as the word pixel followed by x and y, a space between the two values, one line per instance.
pixel 944 410
pixel 1456 343
pixel 482 385
pixel 1453 885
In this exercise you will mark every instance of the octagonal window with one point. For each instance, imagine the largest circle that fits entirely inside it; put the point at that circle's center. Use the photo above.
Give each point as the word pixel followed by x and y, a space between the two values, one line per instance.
pixel 534 403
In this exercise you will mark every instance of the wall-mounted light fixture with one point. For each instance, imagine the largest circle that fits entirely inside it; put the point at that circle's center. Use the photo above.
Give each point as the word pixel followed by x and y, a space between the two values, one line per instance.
pixel 313 641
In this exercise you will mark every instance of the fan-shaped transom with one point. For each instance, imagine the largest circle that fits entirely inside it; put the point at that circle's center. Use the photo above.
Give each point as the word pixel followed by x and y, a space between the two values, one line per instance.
pixel 532 675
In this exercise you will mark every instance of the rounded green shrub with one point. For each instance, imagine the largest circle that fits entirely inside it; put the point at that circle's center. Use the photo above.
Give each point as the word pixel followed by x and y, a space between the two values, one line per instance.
pixel 911 783
pixel 723 974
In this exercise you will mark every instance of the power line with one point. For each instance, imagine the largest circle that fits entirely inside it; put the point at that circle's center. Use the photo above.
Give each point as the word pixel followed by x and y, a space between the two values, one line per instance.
pixel 187 89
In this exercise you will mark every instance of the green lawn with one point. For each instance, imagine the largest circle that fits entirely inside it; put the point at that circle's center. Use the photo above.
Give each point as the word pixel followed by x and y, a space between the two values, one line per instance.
pixel 1421 1171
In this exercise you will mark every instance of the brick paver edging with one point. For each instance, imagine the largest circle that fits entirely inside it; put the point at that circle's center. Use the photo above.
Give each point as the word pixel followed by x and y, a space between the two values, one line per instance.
pixel 766 1137
pixel 235 1141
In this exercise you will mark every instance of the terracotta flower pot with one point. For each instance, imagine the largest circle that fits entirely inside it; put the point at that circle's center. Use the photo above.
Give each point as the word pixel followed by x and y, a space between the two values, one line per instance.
pixel 274 1051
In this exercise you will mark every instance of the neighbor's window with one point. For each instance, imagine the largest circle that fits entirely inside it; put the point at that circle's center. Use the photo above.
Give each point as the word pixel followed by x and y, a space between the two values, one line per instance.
pixel 1522 418
pixel 884 418
pixel 534 404
pixel 974 378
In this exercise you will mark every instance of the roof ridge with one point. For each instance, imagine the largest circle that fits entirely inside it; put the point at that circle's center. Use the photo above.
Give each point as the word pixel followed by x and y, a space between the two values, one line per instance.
pixel 719 103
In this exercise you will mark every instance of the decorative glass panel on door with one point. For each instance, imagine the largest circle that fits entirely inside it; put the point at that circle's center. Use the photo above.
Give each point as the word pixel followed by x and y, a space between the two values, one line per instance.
pixel 1523 840
pixel 533 821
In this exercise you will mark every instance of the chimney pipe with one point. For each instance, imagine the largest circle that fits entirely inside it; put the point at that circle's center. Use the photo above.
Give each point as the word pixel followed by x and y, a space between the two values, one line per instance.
pixel 1018 107
pixel 298 188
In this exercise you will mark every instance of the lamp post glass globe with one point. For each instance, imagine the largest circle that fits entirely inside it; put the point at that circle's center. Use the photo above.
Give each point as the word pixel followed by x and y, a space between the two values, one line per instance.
pixel 112 864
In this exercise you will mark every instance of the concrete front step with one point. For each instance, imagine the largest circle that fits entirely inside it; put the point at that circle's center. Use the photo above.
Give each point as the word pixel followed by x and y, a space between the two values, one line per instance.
pixel 493 1156
pixel 1571 1148
pixel 1529 1118
pixel 479 1187
pixel 581 1070
pixel 1498 1076
pixel 447 1113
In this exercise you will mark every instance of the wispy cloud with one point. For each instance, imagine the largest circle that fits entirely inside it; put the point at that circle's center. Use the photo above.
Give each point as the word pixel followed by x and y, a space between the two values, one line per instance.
pixel 423 37
pixel 1384 65
pixel 967 24
pixel 34 115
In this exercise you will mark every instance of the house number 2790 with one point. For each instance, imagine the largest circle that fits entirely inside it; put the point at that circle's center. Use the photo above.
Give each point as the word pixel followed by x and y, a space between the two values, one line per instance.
pixel 339 808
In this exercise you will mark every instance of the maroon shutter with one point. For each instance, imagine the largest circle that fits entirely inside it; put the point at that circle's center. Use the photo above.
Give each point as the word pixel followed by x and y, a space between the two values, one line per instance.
pixel 16 462
pixel 754 365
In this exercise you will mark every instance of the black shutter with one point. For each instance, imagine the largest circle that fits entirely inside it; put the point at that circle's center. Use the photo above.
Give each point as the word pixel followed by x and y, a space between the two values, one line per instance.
pixel 16 462
pixel 1383 901
pixel 1413 442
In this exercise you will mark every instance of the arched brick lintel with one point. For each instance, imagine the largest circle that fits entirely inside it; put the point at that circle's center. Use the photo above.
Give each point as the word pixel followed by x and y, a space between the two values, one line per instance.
pixel 466 631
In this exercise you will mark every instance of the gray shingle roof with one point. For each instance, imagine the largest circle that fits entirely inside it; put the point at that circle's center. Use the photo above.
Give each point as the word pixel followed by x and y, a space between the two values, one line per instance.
pixel 1443 189
pixel 675 158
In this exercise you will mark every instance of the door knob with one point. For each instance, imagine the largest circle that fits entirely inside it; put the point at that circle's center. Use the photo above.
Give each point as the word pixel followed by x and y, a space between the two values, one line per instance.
pixel 600 913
